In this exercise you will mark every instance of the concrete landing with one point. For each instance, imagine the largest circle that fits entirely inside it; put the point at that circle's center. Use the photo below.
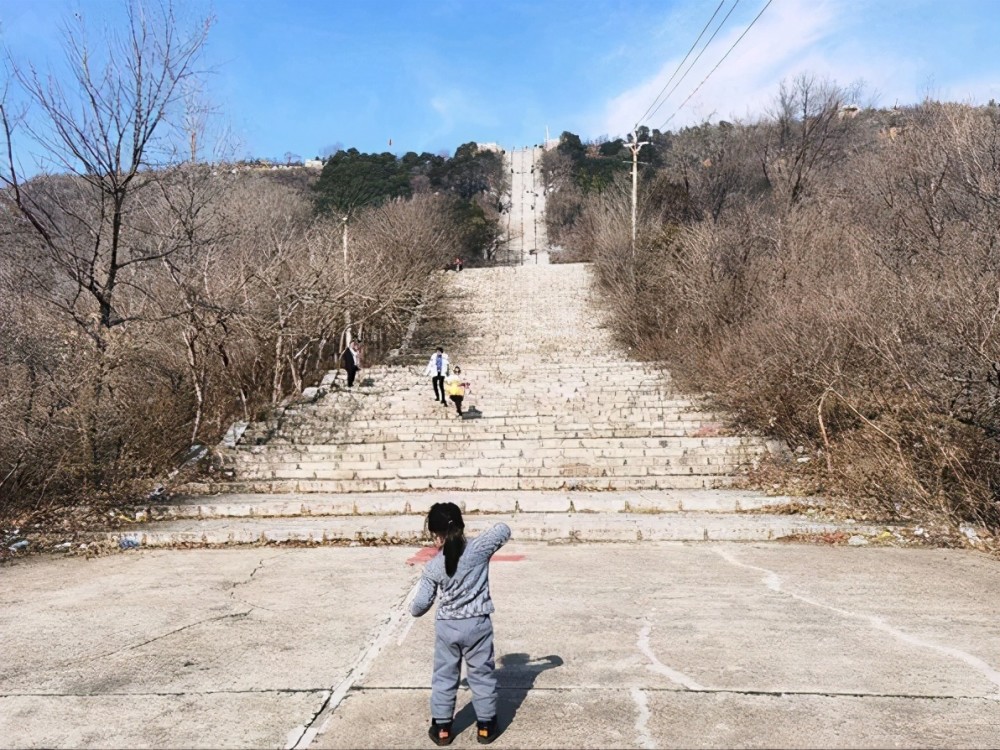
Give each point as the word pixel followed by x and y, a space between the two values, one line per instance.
pixel 618 645
pixel 505 501
pixel 533 527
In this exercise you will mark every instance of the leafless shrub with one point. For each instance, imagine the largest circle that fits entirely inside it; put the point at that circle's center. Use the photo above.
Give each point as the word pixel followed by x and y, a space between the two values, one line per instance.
pixel 147 301
pixel 851 308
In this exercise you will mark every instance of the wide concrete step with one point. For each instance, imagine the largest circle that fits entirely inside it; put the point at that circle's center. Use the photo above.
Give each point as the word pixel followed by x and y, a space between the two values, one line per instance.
pixel 487 416
pixel 402 503
pixel 525 443
pixel 487 385
pixel 571 383
pixel 472 469
pixel 436 413
pixel 655 460
pixel 456 450
pixel 457 429
pixel 603 368
pixel 470 484
pixel 542 527
pixel 449 454
pixel 345 438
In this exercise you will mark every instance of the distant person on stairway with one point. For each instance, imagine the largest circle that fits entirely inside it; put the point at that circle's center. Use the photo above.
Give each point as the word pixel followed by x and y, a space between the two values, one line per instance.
pixel 436 370
pixel 352 362
pixel 459 263
pixel 456 388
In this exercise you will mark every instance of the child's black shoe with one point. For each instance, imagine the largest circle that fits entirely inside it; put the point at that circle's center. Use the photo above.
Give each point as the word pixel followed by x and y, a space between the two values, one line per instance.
pixel 440 732
pixel 486 731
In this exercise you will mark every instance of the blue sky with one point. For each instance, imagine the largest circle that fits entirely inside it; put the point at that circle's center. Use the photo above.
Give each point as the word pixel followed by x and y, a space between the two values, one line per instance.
pixel 302 75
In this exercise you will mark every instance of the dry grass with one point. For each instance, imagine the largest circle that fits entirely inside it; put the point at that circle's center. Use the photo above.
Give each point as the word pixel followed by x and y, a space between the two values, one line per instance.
pixel 858 321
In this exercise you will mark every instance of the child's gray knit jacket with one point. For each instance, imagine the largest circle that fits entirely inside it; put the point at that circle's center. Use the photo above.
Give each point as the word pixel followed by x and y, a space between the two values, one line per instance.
pixel 467 593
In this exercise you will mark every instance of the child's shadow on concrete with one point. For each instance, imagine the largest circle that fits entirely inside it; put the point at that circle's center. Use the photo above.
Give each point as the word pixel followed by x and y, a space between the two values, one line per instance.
pixel 516 675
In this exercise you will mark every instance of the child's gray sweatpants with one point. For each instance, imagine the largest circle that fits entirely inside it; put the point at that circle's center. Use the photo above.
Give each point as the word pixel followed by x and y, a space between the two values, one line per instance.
pixel 471 639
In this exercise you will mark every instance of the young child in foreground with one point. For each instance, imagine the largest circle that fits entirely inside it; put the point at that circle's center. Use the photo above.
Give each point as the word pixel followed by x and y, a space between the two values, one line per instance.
pixel 463 628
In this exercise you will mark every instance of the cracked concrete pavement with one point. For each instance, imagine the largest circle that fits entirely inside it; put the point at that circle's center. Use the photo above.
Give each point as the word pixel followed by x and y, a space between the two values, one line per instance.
pixel 599 645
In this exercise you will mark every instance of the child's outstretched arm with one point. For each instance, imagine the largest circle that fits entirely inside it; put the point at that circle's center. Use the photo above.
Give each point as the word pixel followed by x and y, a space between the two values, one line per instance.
pixel 424 600
pixel 495 538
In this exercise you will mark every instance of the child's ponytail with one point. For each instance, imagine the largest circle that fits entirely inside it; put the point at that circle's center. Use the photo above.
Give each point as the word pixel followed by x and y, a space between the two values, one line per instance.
pixel 445 520
pixel 453 547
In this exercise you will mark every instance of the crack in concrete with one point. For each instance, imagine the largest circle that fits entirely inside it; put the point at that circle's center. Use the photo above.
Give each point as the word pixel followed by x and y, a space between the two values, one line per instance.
pixel 249 579
pixel 709 691
pixel 297 735
pixel 260 564
pixel 773 581
pixel 655 665
pixel 516 688
pixel 166 693
pixel 645 739
pixel 232 615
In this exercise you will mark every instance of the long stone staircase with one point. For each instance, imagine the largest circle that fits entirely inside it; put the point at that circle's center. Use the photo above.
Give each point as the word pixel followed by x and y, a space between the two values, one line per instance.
pixel 553 406
pixel 564 437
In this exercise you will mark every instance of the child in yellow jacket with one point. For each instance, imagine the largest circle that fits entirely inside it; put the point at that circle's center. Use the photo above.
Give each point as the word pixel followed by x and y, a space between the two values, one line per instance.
pixel 456 388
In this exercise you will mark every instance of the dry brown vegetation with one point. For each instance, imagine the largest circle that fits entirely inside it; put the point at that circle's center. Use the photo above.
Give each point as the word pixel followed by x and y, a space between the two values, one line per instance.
pixel 831 279
pixel 147 300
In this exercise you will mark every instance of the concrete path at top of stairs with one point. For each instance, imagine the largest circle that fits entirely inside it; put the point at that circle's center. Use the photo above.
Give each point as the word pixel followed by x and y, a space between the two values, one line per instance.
pixel 622 645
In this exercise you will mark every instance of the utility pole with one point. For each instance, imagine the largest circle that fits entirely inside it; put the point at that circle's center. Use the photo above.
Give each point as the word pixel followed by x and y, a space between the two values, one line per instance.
pixel 347 312
pixel 635 146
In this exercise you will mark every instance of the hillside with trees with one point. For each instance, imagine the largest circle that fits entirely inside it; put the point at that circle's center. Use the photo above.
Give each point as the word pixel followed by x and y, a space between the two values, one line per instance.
pixel 149 298
pixel 828 272
pixel 472 184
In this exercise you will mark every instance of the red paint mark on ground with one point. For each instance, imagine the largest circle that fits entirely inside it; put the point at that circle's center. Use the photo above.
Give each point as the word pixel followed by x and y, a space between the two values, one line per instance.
pixel 426 553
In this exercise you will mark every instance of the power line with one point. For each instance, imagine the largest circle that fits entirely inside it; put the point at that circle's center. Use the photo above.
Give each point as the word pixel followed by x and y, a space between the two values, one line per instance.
pixel 663 127
pixel 679 65
pixel 697 57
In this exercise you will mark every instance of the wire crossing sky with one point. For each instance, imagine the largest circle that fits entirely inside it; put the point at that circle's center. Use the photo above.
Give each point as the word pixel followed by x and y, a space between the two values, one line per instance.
pixel 305 76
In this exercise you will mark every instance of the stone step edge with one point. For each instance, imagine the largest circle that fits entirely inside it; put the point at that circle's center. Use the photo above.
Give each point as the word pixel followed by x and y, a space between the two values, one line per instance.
pixel 548 528
pixel 362 487
pixel 419 503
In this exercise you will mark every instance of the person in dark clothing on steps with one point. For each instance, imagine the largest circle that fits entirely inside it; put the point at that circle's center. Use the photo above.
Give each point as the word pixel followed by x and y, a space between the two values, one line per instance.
pixel 436 370
pixel 352 362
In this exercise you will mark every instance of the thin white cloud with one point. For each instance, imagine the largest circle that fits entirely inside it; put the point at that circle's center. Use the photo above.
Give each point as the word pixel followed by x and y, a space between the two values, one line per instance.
pixel 454 106
pixel 776 46
pixel 825 38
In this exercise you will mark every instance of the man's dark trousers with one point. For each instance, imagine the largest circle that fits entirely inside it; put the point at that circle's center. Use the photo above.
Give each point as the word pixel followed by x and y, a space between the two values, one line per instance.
pixel 438 381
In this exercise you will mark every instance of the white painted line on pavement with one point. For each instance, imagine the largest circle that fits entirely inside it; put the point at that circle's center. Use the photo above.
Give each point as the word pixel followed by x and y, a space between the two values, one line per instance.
pixel 655 665
pixel 302 736
pixel 406 631
pixel 773 581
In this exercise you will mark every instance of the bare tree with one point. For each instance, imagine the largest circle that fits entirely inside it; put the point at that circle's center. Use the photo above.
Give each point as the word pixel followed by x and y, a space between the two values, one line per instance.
pixel 109 131
pixel 110 127
pixel 807 133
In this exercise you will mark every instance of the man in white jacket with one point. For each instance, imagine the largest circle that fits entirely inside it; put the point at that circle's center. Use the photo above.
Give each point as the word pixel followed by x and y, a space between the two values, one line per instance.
pixel 436 370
